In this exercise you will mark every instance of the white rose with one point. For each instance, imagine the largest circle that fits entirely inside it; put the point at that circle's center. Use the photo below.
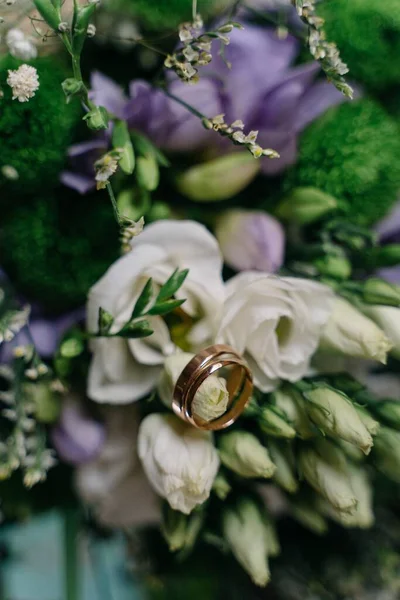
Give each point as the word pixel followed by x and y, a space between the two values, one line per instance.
pixel 180 462
pixel 125 370
pixel 114 484
pixel 352 333
pixel 276 322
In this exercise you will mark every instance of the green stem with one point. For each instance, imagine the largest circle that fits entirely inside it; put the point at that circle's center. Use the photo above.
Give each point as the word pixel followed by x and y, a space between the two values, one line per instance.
pixel 114 203
pixel 71 530
pixel 188 107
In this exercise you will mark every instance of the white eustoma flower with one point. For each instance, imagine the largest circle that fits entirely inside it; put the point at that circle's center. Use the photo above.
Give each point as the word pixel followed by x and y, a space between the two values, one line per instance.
pixel 125 370
pixel 180 461
pixel 24 82
pixel 113 484
pixel 276 322
pixel 352 333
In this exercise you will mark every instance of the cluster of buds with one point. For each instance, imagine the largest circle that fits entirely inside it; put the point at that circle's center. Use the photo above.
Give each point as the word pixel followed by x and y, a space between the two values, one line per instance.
pixel 325 52
pixel 196 49
pixel 235 133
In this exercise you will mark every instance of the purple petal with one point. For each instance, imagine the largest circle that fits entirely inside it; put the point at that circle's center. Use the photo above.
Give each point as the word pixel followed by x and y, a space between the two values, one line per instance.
pixel 258 58
pixel 389 228
pixel 391 274
pixel 80 183
pixel 47 333
pixel 77 437
pixel 321 96
pixel 85 147
pixel 279 106
pixel 105 92
pixel 147 110
pixel 283 142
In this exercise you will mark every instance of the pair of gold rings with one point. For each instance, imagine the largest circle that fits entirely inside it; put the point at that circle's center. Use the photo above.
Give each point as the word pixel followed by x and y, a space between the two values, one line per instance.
pixel 239 382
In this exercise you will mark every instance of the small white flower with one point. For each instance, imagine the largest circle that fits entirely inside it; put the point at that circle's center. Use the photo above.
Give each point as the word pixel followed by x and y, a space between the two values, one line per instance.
pixel 19 45
pixel 180 462
pixel 187 70
pixel 238 124
pixel 239 137
pixel 185 35
pixel 276 322
pixel 105 167
pixel 24 82
pixel 91 30
pixel 63 27
pixel 190 54
pixel 10 172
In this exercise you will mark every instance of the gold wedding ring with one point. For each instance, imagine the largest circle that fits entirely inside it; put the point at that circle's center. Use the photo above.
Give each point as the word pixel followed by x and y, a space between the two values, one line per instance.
pixel 239 382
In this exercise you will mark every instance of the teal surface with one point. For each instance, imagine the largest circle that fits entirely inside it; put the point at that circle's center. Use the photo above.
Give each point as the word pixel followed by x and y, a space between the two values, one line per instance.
pixel 34 566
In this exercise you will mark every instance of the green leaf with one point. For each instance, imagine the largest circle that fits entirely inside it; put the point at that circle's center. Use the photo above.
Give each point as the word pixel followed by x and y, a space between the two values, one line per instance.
pixel 147 172
pixel 165 307
pixel 47 11
pixel 143 300
pixel 104 322
pixel 135 329
pixel 172 285
pixel 121 140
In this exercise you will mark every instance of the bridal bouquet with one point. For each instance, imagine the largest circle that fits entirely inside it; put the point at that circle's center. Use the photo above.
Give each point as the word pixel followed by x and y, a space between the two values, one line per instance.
pixel 200 252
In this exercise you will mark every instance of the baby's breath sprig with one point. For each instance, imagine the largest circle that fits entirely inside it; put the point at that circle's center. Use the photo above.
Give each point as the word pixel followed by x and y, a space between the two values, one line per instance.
pixel 196 48
pixel 326 53
pixel 28 386
pixel 235 133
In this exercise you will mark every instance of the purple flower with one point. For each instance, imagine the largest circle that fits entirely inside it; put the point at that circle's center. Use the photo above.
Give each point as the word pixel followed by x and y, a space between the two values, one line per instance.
pixel 261 88
pixel 251 240
pixel 77 437
pixel 388 231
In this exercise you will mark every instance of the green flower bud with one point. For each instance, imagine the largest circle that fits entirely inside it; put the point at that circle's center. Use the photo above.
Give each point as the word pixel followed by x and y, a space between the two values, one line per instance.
pixel 351 333
pixel 71 87
pixel 304 511
pixel 389 411
pixel 211 399
pixel 386 453
pixel 147 172
pixel 338 267
pixel 283 459
pixel 47 11
pixel 334 413
pixel 384 256
pixel 370 423
pixel 181 531
pixel 326 479
pixel 273 424
pixel 242 452
pixel 291 404
pixel 388 318
pixel 363 516
pixel 218 179
pixel 353 453
pixel 97 118
pixel 379 291
pixel 246 533
pixel 305 205
pixel 221 486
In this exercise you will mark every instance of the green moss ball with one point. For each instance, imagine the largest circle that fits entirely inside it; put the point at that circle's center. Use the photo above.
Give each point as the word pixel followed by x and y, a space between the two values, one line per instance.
pixel 367 33
pixel 56 247
pixel 163 14
pixel 35 134
pixel 352 153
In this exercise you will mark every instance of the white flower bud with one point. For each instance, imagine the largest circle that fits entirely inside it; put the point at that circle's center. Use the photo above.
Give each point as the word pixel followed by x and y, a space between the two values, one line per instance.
pixel 282 456
pixel 247 535
pixel 180 462
pixel 334 413
pixel 290 403
pixel 272 424
pixel 350 332
pixel 211 399
pixel 370 423
pixel 332 483
pixel 242 452
pixel 388 318
pixel 306 513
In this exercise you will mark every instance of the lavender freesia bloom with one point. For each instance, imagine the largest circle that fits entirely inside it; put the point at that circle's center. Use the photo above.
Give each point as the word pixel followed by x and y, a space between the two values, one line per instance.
pixel 261 88
pixel 388 231
pixel 77 437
